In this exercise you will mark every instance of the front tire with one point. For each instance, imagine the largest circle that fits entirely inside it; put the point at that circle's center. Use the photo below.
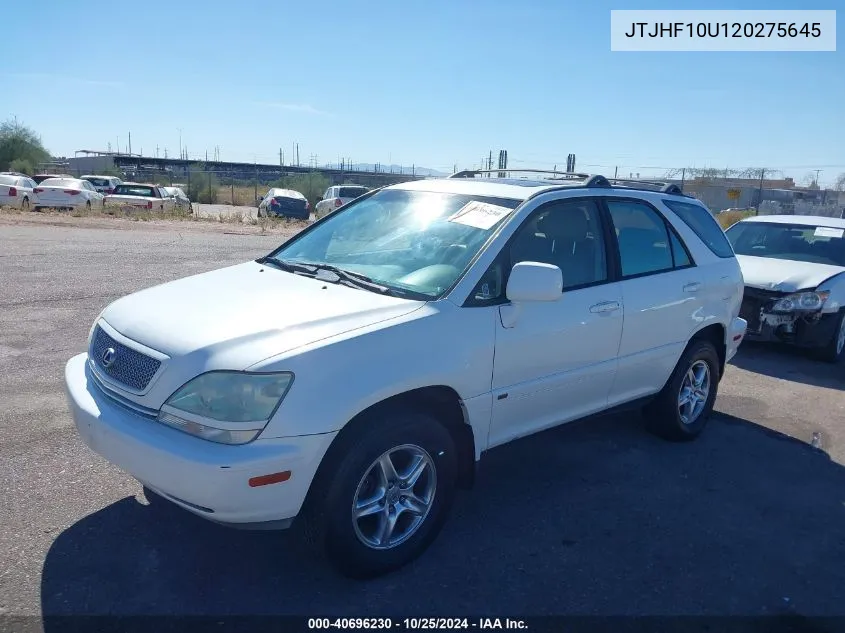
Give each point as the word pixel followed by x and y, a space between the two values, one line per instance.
pixel 88 205
pixel 834 351
pixel 25 204
pixel 681 410
pixel 383 493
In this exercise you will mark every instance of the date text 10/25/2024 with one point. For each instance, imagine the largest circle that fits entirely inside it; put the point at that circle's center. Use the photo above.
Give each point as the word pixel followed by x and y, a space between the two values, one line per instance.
pixel 413 624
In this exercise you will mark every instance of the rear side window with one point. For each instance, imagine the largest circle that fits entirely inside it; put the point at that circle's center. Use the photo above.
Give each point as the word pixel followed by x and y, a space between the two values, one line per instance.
pixel 98 182
pixel 705 226
pixel 646 244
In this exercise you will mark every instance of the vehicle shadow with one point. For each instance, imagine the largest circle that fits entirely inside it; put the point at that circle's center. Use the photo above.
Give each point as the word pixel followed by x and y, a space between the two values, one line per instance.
pixel 594 518
pixel 789 363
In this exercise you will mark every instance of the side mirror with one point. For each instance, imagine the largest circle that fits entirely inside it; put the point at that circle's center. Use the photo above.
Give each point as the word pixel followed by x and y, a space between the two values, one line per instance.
pixel 534 281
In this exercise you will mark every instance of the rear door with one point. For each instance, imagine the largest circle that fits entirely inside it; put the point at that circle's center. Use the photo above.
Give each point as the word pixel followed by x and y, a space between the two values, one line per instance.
pixel 664 294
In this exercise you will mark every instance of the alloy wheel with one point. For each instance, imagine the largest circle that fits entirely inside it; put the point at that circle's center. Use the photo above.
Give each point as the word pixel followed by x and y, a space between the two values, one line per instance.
pixel 695 389
pixel 394 497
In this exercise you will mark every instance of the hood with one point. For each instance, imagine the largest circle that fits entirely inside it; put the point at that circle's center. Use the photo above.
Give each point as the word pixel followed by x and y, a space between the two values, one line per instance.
pixel 245 313
pixel 785 275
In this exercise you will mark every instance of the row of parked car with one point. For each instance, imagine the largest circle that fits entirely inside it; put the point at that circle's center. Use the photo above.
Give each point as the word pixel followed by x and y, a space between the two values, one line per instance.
pixel 63 191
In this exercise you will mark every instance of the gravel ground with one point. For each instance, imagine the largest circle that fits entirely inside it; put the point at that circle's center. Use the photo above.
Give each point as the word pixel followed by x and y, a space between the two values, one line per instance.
pixel 216 210
pixel 594 518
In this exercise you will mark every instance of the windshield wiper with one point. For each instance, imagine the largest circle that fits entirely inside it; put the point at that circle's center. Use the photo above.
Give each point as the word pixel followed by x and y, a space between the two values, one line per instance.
pixel 356 280
pixel 288 265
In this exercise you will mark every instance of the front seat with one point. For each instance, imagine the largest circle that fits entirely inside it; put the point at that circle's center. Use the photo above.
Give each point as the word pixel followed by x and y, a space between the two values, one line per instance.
pixel 572 247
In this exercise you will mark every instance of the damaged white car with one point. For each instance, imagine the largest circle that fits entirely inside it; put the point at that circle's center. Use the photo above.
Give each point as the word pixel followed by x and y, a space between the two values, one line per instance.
pixel 794 269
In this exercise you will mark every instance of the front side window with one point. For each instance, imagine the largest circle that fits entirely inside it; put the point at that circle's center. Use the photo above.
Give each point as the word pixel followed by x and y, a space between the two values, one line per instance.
pixel 644 245
pixel 799 242
pixel 705 226
pixel 567 234
pixel 415 243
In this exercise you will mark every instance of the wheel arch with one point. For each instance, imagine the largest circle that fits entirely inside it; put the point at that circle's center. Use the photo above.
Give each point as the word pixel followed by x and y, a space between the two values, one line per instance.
pixel 716 333
pixel 441 402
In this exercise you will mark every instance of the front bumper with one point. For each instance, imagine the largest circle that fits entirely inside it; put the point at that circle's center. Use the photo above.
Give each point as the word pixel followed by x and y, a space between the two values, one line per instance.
pixel 208 479
pixel 799 329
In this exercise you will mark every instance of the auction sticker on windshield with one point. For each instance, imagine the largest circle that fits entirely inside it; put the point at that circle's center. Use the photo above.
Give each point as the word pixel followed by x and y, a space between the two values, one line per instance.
pixel 481 215
pixel 826 231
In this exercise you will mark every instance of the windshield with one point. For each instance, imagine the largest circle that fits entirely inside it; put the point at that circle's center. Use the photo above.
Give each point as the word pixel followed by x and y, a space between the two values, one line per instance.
pixel 99 182
pixel 799 242
pixel 134 190
pixel 412 240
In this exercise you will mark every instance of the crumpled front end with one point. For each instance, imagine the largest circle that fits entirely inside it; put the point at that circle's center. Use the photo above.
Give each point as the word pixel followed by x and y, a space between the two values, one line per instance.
pixel 770 319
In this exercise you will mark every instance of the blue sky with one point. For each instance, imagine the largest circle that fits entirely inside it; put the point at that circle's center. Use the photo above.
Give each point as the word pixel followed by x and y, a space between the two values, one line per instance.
pixel 435 83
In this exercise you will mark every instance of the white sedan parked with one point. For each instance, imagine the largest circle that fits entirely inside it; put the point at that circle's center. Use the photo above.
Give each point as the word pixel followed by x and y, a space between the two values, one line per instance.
pixel 67 193
pixel 794 270
pixel 16 191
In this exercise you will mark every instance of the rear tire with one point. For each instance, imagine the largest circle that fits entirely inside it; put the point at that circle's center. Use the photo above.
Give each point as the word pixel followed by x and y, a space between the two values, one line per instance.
pixel 681 410
pixel 352 475
pixel 834 351
pixel 25 204
pixel 88 205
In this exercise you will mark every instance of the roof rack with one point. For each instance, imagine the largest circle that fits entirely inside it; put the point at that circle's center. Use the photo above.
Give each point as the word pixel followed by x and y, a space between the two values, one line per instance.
pixel 657 185
pixel 588 180
pixel 565 175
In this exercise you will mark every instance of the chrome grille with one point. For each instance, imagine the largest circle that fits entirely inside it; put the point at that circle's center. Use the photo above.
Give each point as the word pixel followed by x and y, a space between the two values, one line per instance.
pixel 128 367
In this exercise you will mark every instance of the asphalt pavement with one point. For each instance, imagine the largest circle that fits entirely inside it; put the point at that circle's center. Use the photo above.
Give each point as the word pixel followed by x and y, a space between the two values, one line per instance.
pixel 593 518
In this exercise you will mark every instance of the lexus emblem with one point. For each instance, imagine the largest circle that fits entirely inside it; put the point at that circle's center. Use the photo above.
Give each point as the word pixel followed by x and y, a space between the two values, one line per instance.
pixel 108 357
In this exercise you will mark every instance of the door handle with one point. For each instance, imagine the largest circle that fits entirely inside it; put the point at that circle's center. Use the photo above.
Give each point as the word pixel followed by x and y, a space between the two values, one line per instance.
pixel 692 287
pixel 606 306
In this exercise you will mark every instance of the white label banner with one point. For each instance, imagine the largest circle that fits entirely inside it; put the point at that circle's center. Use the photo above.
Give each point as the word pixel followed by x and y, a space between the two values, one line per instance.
pixel 723 30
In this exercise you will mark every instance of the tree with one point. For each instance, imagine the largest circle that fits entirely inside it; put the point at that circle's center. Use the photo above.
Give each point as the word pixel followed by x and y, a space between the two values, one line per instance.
pixel 21 145
pixel 839 185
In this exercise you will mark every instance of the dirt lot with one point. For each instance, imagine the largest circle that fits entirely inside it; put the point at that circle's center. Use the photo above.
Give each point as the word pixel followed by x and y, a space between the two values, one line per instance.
pixel 594 518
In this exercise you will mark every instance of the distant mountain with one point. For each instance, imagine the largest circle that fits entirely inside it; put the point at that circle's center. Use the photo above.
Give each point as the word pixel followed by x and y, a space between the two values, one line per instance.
pixel 397 169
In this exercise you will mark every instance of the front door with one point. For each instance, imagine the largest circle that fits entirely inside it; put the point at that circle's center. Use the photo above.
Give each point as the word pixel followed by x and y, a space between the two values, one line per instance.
pixel 556 361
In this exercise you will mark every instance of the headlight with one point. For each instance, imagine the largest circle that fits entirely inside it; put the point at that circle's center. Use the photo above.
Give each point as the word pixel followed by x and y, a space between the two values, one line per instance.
pixel 801 301
pixel 229 407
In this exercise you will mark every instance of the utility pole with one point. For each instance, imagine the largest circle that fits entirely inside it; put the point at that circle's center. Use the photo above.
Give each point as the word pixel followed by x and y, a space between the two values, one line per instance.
pixel 818 171
pixel 280 157
pixel 130 143
pixel 156 151
pixel 760 192
pixel 297 155
pixel 683 177
pixel 615 172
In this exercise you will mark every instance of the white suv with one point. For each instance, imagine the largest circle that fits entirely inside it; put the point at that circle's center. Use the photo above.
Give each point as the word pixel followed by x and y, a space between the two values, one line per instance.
pixel 354 376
